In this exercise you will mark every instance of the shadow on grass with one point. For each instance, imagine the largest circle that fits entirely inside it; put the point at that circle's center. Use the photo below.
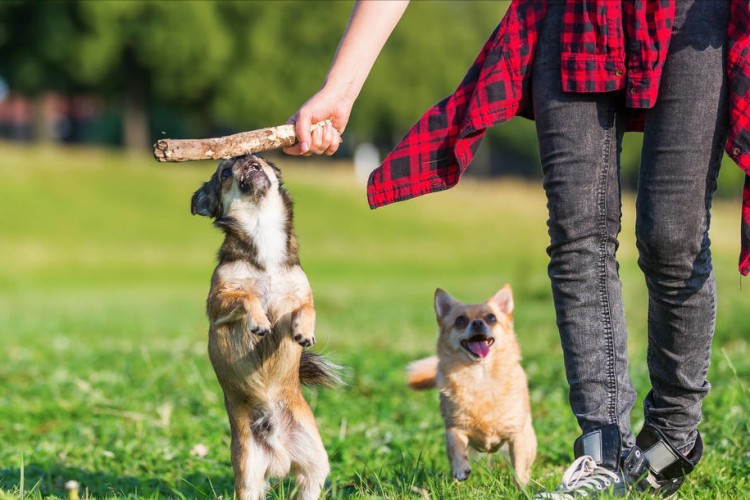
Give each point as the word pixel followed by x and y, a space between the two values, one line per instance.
pixel 39 480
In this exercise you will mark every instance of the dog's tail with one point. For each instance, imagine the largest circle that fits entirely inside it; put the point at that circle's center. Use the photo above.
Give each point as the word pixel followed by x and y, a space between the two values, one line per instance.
pixel 315 370
pixel 422 374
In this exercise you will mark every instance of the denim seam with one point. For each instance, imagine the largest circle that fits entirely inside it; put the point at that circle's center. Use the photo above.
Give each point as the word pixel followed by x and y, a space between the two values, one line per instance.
pixel 602 267
pixel 712 184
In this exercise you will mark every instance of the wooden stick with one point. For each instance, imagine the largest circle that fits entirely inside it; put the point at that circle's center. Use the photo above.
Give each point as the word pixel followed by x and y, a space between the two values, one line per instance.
pixel 229 146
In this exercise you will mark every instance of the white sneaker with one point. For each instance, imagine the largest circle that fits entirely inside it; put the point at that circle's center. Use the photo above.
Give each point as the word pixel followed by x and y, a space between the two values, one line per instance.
pixel 585 479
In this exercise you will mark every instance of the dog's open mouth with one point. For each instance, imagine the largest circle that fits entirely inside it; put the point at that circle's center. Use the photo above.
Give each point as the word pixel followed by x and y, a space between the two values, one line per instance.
pixel 478 346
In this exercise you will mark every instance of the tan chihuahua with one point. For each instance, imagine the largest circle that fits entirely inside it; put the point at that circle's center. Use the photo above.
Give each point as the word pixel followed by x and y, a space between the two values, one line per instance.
pixel 261 314
pixel 484 397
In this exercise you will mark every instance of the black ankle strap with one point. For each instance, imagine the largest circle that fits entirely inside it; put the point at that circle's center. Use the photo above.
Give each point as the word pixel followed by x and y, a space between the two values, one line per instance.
pixel 603 444
pixel 664 460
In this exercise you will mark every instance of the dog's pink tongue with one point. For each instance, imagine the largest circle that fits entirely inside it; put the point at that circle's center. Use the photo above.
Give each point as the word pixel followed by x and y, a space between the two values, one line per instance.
pixel 481 348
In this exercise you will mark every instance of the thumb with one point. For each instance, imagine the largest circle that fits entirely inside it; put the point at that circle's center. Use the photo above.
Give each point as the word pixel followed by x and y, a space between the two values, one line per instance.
pixel 302 128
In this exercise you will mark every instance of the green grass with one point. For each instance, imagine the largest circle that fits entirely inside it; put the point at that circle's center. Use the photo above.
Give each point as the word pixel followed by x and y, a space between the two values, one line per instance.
pixel 104 376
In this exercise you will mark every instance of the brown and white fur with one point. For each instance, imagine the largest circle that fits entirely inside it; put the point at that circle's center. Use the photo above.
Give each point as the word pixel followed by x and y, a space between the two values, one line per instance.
pixel 484 397
pixel 261 314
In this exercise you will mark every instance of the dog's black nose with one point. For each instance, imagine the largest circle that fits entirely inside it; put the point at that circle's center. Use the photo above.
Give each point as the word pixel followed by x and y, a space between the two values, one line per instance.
pixel 477 325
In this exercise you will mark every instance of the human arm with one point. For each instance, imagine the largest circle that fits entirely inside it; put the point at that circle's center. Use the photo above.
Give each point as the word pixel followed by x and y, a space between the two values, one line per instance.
pixel 370 25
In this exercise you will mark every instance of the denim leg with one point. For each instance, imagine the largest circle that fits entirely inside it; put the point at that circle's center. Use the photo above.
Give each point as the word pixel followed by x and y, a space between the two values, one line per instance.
pixel 579 141
pixel 682 150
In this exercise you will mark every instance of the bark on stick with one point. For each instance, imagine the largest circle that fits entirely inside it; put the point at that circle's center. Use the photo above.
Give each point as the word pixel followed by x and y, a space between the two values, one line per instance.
pixel 229 146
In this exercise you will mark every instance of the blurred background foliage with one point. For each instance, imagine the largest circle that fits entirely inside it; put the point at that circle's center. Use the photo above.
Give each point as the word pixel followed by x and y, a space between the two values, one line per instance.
pixel 150 69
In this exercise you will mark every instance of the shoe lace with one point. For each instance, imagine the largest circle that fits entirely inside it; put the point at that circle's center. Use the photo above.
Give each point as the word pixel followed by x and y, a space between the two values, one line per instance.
pixel 585 475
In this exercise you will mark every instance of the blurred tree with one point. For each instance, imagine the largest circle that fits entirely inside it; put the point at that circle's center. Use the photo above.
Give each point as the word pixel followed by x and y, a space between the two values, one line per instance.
pixel 28 36
pixel 281 52
pixel 145 52
pixel 137 52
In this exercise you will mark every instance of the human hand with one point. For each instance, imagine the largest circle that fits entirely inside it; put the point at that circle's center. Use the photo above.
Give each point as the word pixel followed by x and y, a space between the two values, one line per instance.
pixel 324 105
pixel 369 27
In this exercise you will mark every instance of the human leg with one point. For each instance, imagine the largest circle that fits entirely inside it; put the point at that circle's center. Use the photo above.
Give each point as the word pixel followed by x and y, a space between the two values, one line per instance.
pixel 580 137
pixel 579 140
pixel 683 146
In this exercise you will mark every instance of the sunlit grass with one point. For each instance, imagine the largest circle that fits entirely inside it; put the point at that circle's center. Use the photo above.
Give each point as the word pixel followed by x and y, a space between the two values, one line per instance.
pixel 105 378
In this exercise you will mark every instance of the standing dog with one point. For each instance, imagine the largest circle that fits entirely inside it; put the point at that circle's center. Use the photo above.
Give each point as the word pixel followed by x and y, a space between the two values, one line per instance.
pixel 261 314
pixel 484 397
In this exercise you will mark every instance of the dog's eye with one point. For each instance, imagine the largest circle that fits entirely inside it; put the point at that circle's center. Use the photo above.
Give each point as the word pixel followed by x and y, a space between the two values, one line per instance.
pixel 490 319
pixel 461 321
pixel 226 173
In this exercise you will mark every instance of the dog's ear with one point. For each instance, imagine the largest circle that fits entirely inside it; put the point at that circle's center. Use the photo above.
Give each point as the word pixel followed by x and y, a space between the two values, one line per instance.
pixel 503 299
pixel 443 303
pixel 206 201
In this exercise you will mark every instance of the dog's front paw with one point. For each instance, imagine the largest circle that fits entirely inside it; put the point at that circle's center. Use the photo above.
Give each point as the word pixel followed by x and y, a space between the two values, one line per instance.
pixel 303 328
pixel 259 326
pixel 260 331
pixel 305 340
pixel 461 474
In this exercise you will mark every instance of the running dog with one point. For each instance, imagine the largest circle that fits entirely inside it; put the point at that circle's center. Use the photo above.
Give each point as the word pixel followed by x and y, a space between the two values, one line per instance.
pixel 261 314
pixel 484 398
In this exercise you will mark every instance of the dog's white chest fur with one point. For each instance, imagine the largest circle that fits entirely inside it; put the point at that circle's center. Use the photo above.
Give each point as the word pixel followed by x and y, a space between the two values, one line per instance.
pixel 271 288
pixel 265 224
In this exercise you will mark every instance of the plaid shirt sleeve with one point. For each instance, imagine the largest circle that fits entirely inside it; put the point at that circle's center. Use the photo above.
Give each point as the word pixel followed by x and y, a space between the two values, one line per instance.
pixel 436 150
pixel 738 136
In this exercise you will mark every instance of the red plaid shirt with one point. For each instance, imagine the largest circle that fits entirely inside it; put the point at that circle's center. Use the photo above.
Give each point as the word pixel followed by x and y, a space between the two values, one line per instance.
pixel 438 148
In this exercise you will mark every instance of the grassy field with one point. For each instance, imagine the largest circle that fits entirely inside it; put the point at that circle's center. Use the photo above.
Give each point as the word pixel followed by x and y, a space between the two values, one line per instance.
pixel 104 376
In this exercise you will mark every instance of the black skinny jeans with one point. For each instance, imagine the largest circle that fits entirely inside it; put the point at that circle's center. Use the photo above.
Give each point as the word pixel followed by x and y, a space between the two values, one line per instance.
pixel 580 138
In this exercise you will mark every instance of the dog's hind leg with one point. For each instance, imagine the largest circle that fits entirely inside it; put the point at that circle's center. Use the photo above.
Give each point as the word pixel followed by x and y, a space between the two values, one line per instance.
pixel 311 473
pixel 250 460
pixel 309 458
pixel 523 453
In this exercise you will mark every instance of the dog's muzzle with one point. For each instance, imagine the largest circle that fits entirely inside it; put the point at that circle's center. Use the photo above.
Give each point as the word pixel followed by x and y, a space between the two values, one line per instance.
pixel 252 178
